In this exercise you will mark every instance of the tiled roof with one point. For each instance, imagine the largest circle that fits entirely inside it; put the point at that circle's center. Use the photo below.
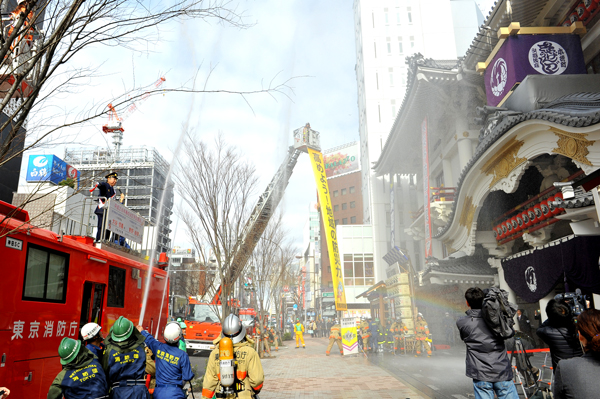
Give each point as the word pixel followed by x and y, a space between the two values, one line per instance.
pixel 469 265
pixel 576 110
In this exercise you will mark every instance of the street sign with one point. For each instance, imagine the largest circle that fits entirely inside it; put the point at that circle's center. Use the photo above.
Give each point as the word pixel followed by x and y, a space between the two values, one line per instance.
pixel 328 295
pixel 295 307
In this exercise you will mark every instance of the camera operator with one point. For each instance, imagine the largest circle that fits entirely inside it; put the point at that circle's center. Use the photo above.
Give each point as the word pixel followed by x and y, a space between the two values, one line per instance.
pixel 578 377
pixel 559 332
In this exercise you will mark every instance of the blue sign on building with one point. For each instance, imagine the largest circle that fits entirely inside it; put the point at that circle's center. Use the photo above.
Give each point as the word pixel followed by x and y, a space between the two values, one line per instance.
pixel 46 168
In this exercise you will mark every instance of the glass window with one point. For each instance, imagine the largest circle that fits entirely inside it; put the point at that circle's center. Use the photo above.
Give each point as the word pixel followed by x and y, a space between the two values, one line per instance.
pixel 116 287
pixel 353 220
pixel 400 49
pixel 352 204
pixel 343 191
pixel 409 12
pixel 359 281
pixel 336 193
pixel 344 206
pixel 344 220
pixel 45 275
pixel 352 190
pixel 337 221
pixel 369 269
pixel 359 266
pixel 336 208
pixel 387 19
pixel 412 42
pixel 397 17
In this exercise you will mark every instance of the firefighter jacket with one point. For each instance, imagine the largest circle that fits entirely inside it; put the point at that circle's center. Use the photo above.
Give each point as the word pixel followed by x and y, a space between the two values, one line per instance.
pixel 172 368
pixel 421 328
pixel 335 332
pixel 364 329
pixel 125 366
pixel 97 350
pixel 398 328
pixel 150 369
pixel 83 378
pixel 249 371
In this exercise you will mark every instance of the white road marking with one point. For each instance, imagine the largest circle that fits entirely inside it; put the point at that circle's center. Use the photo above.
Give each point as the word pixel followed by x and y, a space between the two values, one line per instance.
pixel 418 375
pixel 459 397
pixel 433 387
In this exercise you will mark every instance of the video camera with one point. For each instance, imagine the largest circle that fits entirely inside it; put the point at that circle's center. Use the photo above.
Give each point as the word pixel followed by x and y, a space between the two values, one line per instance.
pixel 576 301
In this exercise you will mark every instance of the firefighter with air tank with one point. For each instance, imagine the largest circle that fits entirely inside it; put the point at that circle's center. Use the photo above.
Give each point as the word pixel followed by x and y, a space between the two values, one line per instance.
pixel 234 368
pixel 335 337
pixel 364 332
pixel 398 329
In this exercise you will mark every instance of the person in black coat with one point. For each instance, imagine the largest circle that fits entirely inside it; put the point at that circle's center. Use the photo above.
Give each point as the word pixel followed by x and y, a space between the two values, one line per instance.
pixel 559 333
pixel 577 378
pixel 524 323
pixel 487 362
pixel 107 191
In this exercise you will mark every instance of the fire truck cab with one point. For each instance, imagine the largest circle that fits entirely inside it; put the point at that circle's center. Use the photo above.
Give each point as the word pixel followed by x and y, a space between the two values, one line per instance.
pixel 203 324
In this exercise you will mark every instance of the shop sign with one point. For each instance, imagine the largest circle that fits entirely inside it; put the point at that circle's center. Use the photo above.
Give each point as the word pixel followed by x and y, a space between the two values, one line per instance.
pixel 349 336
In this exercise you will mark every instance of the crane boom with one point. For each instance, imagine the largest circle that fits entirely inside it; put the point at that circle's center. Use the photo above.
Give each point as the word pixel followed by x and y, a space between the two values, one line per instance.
pixel 264 209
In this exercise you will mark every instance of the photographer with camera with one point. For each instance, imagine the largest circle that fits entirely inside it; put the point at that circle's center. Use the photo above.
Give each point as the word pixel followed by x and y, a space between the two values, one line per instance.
pixel 577 378
pixel 559 333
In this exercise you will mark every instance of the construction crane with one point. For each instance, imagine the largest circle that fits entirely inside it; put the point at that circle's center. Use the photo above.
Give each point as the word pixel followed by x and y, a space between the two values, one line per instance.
pixel 115 122
pixel 304 138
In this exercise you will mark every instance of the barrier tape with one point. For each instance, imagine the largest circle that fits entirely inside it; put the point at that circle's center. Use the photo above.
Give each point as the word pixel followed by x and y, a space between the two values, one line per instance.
pixel 530 351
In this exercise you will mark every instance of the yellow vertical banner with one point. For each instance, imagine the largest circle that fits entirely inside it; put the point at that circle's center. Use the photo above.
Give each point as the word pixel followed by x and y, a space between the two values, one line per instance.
pixel 316 159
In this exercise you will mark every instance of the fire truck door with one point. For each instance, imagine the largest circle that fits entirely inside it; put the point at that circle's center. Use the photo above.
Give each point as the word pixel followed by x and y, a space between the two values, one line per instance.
pixel 92 303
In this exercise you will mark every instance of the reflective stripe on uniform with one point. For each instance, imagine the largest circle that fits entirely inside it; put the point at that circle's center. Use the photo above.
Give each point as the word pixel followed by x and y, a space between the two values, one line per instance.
pixel 257 388
pixel 207 393
pixel 241 374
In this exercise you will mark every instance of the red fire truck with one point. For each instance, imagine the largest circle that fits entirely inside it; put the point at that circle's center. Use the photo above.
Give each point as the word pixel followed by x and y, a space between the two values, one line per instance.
pixel 247 316
pixel 51 286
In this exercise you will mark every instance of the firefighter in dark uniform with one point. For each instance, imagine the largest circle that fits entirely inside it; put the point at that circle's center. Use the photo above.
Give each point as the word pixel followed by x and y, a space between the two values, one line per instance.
pixel 125 361
pixel 172 364
pixel 107 191
pixel 92 337
pixel 82 376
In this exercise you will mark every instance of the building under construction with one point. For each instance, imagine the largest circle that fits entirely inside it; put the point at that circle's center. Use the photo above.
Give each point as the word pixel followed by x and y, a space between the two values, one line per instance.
pixel 142 174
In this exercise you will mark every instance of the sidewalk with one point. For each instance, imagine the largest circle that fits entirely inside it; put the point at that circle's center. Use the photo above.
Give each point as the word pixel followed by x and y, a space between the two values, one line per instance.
pixel 308 373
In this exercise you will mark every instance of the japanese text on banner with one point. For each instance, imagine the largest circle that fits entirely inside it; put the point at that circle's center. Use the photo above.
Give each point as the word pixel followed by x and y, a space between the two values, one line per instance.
pixel 316 159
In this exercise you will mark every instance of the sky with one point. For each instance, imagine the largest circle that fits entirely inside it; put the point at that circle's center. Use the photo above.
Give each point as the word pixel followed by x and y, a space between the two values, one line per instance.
pixel 310 42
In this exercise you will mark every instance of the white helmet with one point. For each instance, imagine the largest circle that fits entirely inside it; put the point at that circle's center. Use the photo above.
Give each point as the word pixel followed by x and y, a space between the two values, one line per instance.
pixel 234 329
pixel 90 330
pixel 172 332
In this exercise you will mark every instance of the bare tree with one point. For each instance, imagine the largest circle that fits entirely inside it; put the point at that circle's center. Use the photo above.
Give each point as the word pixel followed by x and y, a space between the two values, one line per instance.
pixel 217 188
pixel 271 261
pixel 37 50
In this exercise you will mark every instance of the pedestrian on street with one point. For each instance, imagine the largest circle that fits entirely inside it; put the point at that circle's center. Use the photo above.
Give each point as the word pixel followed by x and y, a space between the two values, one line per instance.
pixel 93 339
pixel 578 377
pixel 524 324
pixel 124 361
pixel 299 330
pixel 172 364
pixel 265 339
pixel 335 337
pixel 107 191
pixel 274 337
pixel 559 332
pixel 249 376
pixel 313 327
pixel 82 375
pixel 486 362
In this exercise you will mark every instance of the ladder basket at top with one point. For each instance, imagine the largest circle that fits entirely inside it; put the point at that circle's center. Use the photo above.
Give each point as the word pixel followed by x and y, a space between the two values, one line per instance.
pixel 305 137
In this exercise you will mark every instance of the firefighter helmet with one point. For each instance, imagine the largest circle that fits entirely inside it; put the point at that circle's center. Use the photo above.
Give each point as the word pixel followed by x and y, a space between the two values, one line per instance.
pixel 172 332
pixel 90 331
pixel 122 329
pixel 68 350
pixel 233 328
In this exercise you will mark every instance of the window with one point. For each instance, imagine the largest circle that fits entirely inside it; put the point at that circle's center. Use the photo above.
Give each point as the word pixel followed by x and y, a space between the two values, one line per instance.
pixel 345 221
pixel 343 191
pixel 337 221
pixel 336 208
pixel 412 42
pixel 373 18
pixel 389 45
pixel 344 206
pixel 377 80
pixel 393 108
pixel 379 112
pixel 385 10
pixel 391 71
pixel 352 204
pixel 46 275
pixel 400 49
pixel 352 190
pixel 375 48
pixel 353 220
pixel 116 287
pixel 335 193
pixel 397 16
pixel 409 12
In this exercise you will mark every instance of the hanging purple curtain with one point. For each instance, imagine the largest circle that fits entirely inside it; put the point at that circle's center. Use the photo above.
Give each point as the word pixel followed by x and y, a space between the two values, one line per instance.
pixel 534 275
